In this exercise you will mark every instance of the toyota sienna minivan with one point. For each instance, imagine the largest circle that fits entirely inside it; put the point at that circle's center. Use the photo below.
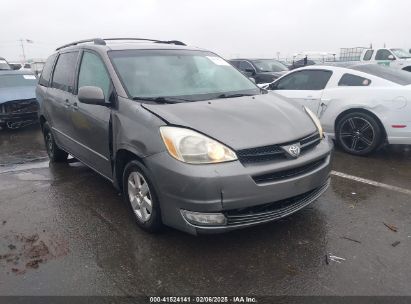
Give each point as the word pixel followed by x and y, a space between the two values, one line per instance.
pixel 190 141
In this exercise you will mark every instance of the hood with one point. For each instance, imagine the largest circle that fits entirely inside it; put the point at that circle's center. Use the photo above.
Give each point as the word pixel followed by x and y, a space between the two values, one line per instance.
pixel 17 93
pixel 242 122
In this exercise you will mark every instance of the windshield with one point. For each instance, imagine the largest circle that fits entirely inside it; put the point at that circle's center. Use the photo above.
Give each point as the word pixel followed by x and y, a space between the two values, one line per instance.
pixel 192 75
pixel 269 65
pixel 400 53
pixel 4 65
pixel 385 72
pixel 20 80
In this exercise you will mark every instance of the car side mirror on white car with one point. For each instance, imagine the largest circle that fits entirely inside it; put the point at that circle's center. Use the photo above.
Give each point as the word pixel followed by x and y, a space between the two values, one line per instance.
pixel 391 57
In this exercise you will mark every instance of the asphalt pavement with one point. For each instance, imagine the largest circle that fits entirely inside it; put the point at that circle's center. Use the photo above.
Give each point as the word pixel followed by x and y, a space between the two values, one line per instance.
pixel 64 230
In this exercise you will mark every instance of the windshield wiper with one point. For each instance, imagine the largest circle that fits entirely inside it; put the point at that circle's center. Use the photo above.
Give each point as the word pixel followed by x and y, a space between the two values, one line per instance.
pixel 160 99
pixel 233 95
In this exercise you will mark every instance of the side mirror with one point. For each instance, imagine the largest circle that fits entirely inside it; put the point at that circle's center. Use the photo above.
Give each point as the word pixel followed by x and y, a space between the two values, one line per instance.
pixel 91 95
pixel 250 71
pixel 391 57
pixel 272 86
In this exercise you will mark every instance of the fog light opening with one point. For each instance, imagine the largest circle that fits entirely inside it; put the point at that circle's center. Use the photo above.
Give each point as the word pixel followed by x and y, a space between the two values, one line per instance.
pixel 204 219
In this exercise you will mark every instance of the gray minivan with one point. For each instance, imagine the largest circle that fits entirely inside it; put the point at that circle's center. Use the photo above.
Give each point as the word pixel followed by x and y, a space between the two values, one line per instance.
pixel 190 141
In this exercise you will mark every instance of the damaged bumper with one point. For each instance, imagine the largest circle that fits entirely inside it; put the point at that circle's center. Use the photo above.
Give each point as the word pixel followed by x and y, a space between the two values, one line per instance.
pixel 18 113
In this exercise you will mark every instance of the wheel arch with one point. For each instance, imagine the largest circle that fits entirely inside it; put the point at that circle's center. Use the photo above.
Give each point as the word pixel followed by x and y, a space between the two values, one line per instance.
pixel 122 158
pixel 361 110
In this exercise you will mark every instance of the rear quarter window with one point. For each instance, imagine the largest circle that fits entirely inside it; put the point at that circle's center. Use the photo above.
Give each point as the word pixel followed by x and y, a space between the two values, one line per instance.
pixel 350 80
pixel 46 73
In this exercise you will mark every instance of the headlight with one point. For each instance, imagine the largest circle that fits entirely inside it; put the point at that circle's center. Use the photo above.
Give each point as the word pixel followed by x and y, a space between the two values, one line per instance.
pixel 192 147
pixel 316 121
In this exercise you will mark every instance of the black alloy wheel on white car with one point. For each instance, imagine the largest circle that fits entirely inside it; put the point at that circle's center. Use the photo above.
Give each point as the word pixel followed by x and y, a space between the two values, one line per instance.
pixel 358 133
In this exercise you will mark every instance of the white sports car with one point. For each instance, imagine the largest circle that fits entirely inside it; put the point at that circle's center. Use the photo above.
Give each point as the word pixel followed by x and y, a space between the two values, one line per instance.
pixel 362 107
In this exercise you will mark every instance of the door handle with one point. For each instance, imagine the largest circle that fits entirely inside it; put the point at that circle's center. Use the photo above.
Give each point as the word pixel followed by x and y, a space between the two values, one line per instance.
pixel 75 106
pixel 67 103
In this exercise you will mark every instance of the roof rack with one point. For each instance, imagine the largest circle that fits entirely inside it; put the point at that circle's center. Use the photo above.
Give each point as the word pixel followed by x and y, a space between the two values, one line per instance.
pixel 176 42
pixel 97 41
pixel 100 41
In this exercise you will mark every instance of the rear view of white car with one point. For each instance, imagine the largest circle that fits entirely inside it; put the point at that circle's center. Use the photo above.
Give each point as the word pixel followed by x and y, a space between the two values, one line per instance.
pixel 362 107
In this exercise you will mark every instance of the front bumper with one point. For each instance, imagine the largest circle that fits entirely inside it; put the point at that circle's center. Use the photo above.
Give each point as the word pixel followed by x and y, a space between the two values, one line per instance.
pixel 232 187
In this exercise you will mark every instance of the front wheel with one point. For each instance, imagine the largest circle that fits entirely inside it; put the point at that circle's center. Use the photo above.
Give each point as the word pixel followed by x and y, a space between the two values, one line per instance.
pixel 141 197
pixel 54 152
pixel 358 133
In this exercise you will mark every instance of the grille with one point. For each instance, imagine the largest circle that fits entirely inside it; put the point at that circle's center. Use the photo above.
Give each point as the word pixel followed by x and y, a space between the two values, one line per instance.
pixel 21 106
pixel 273 211
pixel 273 152
pixel 279 175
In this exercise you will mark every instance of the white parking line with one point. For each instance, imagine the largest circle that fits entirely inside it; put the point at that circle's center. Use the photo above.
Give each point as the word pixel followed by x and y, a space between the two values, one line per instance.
pixel 371 182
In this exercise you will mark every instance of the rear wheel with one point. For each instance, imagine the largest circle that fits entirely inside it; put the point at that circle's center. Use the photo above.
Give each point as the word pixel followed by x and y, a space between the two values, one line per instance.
pixel 54 152
pixel 140 196
pixel 358 133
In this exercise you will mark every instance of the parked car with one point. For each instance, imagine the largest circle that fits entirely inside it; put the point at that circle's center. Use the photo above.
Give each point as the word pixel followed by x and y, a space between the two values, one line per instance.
pixel 18 105
pixel 396 58
pixel 206 151
pixel 4 65
pixel 302 63
pixel 262 70
pixel 362 107
pixel 20 66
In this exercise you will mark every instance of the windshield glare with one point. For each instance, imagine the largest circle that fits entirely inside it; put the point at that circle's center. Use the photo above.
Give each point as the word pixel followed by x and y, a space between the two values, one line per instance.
pixel 194 75
pixel 7 81
pixel 268 65
pixel 400 53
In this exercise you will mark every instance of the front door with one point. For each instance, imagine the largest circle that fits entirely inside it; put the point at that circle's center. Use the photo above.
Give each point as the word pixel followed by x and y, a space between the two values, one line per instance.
pixel 91 123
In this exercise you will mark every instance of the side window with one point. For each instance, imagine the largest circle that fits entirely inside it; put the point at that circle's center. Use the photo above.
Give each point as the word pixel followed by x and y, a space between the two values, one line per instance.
pixel 63 76
pixel 46 73
pixel 351 80
pixel 305 80
pixel 368 55
pixel 244 66
pixel 93 73
pixel 382 54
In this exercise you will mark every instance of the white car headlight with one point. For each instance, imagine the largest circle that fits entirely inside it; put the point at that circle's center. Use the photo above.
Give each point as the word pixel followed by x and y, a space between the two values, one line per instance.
pixel 316 121
pixel 192 147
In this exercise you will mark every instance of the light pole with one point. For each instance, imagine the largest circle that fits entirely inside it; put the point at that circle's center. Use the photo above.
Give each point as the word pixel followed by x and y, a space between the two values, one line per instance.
pixel 22 49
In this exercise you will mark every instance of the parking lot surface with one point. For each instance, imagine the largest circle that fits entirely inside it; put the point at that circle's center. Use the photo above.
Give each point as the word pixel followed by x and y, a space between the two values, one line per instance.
pixel 64 230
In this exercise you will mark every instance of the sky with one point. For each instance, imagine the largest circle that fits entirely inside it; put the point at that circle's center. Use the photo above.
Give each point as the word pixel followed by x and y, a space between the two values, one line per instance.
pixel 240 28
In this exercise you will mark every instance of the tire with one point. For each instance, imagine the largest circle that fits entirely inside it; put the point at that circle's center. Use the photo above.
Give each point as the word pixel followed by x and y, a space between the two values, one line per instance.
pixel 55 154
pixel 359 133
pixel 141 198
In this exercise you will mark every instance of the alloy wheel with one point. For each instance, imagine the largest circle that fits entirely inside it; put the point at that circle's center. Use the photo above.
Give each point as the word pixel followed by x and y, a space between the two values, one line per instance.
pixel 140 196
pixel 357 134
